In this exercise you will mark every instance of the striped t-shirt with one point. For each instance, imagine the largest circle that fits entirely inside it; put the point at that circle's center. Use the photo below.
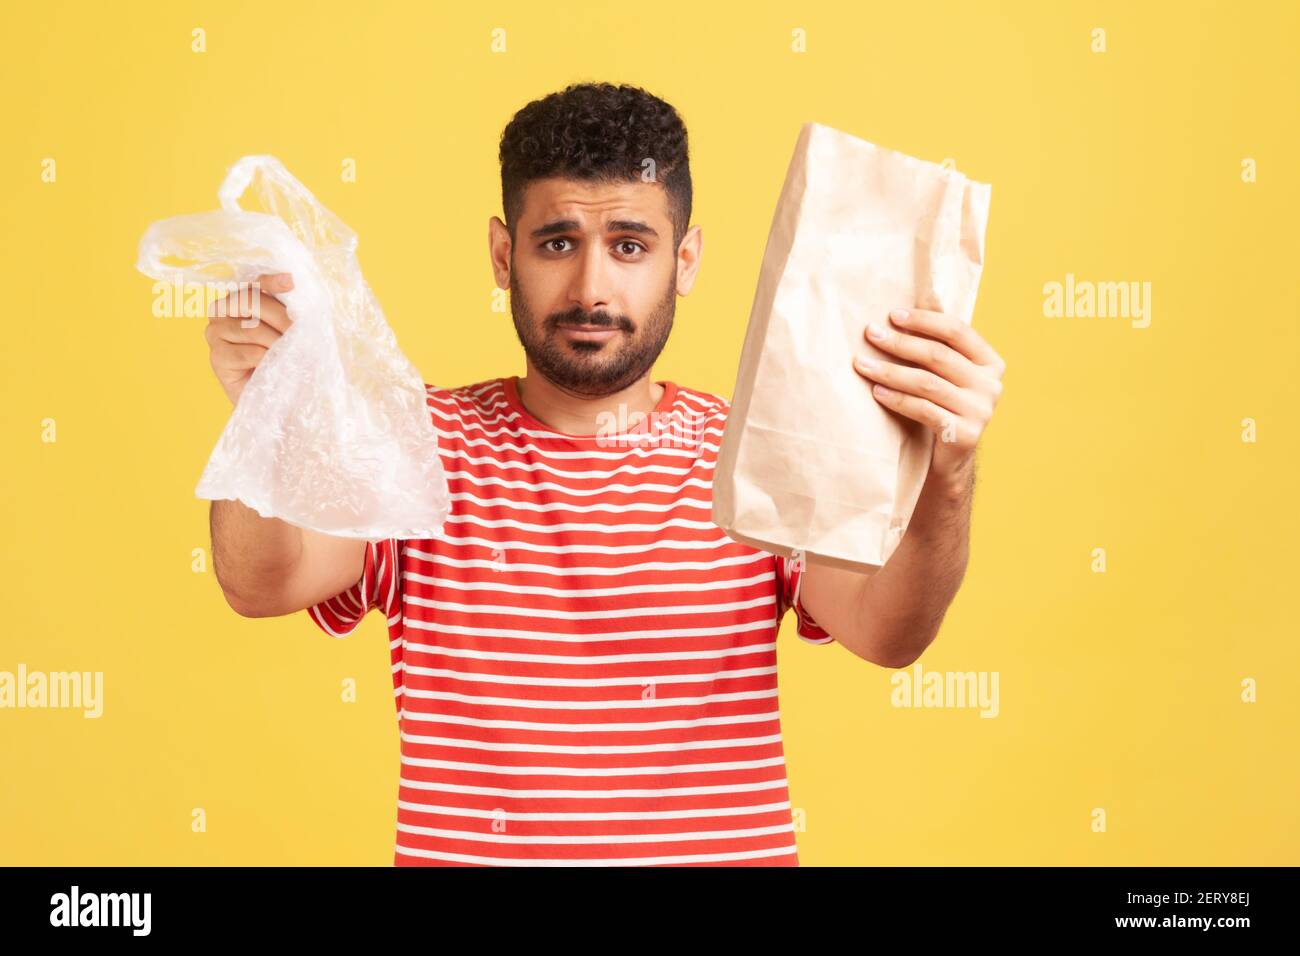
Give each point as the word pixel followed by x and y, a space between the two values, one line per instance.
pixel 584 663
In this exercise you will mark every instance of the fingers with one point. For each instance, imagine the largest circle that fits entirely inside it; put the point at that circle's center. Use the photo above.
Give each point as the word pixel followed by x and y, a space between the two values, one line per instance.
pixel 277 282
pixel 233 357
pixel 921 383
pixel 948 378
pixel 948 428
pixel 234 331
pixel 956 334
pixel 253 303
pixel 941 359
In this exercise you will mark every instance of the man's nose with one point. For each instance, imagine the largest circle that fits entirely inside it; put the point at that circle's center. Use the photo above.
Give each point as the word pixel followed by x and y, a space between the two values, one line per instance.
pixel 591 288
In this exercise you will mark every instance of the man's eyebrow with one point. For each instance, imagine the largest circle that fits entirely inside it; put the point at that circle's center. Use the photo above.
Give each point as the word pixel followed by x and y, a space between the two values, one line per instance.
pixel 557 226
pixel 630 225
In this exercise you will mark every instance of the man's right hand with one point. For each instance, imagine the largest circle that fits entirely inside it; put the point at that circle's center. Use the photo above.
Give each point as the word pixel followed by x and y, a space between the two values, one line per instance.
pixel 237 340
pixel 266 566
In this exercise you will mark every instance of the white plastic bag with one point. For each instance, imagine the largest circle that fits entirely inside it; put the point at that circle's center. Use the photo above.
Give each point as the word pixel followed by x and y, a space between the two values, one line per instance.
pixel 331 432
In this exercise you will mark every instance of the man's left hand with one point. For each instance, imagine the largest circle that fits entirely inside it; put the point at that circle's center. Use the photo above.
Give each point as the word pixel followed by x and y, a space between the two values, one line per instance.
pixel 953 390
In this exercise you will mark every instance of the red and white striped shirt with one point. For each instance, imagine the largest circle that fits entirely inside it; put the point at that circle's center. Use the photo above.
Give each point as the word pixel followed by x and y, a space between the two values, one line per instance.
pixel 584 663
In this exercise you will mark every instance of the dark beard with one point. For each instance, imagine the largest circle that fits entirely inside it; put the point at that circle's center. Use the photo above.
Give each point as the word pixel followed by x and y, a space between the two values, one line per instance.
pixel 581 368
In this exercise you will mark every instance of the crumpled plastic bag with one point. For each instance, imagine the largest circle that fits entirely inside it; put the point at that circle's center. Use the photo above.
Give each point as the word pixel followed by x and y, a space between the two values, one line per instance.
pixel 332 431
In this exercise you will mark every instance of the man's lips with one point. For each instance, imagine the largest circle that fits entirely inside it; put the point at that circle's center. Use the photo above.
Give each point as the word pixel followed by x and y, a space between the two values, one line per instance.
pixel 589 333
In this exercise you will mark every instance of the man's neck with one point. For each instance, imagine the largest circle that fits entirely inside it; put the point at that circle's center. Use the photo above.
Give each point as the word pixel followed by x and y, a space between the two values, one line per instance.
pixel 575 415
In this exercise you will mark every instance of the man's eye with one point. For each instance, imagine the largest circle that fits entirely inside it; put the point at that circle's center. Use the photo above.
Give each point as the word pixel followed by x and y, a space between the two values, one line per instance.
pixel 550 244
pixel 636 247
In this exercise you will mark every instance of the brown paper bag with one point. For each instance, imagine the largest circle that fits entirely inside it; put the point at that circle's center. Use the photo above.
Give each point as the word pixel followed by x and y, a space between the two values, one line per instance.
pixel 810 463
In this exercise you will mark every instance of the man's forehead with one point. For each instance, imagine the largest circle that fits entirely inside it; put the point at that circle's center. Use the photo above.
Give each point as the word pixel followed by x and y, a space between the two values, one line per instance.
pixel 594 203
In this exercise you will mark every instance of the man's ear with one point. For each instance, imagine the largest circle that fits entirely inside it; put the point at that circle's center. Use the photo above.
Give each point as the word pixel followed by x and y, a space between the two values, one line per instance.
pixel 499 244
pixel 689 253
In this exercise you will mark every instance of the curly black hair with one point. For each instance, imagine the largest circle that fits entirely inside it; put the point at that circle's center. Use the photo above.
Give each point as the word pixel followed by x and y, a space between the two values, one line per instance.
pixel 597 132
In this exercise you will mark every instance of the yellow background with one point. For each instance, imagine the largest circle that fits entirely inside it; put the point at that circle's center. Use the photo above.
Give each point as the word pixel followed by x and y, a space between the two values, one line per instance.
pixel 1118 690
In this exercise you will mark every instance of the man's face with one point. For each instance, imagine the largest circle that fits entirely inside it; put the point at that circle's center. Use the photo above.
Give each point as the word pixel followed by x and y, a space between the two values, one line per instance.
pixel 593 282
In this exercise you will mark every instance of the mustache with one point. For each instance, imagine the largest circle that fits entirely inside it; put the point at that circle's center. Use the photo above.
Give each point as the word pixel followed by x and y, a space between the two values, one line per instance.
pixel 599 320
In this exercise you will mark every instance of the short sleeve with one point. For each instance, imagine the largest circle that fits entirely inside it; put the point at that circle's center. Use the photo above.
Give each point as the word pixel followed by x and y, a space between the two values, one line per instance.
pixel 378 587
pixel 789 576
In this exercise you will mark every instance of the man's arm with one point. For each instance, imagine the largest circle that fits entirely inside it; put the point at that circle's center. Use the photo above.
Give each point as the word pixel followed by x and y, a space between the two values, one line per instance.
pixel 890 617
pixel 951 386
pixel 267 567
